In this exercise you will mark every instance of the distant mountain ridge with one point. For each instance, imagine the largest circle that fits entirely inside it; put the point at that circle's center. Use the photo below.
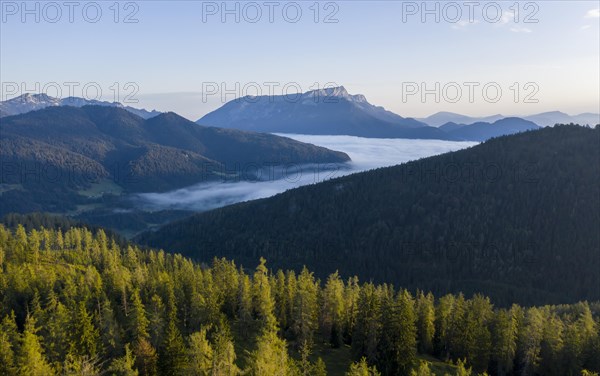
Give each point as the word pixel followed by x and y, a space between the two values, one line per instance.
pixel 331 111
pixel 31 102
pixel 545 119
pixel 440 118
pixel 481 131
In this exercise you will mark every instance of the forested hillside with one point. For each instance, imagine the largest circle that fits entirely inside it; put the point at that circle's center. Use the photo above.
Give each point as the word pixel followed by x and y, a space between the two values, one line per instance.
pixel 76 303
pixel 50 156
pixel 515 218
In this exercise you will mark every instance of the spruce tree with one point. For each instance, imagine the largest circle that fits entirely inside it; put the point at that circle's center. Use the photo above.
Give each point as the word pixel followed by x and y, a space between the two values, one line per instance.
pixel 31 360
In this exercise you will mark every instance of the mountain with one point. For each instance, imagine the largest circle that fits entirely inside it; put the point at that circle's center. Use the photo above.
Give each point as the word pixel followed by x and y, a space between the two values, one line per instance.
pixel 482 131
pixel 331 111
pixel 51 155
pixel 440 118
pixel 545 119
pixel 515 218
pixel 548 119
pixel 31 102
pixel 451 126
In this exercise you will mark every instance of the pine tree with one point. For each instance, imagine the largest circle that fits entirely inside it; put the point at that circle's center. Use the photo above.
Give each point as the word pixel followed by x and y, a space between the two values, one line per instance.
pixel 505 334
pixel 86 335
pixel 551 346
pixel 199 355
pixel 225 276
pixel 365 337
pixel 31 360
pixel 530 338
pixel 8 342
pixel 425 322
pixel 156 321
pixel 332 310
pixel 304 319
pixel 59 337
pixel 443 312
pixel 270 356
pixel 224 353
pixel 138 322
pixel 351 295
pixel 361 368
pixel 282 304
pixel 461 368
pixel 244 304
pixel 398 344
pixel 261 295
pixel 146 358
pixel 110 331
pixel 319 368
pixel 422 370
pixel 457 329
pixel 124 366
pixel 477 337
pixel 172 354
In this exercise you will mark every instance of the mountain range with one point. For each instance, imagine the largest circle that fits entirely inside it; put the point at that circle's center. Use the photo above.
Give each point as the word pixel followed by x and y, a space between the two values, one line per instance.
pixel 545 119
pixel 50 155
pixel 515 217
pixel 334 111
pixel 31 102
pixel 481 131
pixel 331 111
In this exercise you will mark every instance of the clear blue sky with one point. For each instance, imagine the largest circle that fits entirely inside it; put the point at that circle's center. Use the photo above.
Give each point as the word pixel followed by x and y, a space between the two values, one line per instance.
pixel 171 53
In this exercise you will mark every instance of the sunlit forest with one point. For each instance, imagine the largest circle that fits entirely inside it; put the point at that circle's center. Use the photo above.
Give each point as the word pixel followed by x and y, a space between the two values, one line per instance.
pixel 79 302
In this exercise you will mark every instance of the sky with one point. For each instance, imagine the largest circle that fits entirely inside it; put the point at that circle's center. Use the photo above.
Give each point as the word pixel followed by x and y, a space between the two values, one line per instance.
pixel 476 58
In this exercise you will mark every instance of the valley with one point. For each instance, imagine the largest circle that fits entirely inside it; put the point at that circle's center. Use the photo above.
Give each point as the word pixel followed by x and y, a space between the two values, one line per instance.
pixel 344 188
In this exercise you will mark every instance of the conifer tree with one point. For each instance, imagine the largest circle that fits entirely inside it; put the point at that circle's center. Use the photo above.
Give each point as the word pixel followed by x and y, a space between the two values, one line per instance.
pixel 31 360
pixel 270 356
pixel 425 311
pixel 261 296
pixel 199 355
pixel 332 311
pixel 125 365
pixel 8 341
pixel 422 370
pixel 86 334
pixel 223 360
pixel 505 334
pixel 305 308
pixel 172 354
pixel 361 368
pixel 138 322
pixel 530 338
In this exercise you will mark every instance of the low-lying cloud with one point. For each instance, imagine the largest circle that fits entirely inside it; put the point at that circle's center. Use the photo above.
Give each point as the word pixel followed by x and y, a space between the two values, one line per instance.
pixel 366 154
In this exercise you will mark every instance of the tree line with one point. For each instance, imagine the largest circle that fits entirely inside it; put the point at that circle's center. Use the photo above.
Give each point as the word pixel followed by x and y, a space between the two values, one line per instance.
pixel 77 302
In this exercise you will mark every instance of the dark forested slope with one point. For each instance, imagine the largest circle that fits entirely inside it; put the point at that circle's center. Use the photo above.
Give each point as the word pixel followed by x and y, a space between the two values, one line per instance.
pixel 516 218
